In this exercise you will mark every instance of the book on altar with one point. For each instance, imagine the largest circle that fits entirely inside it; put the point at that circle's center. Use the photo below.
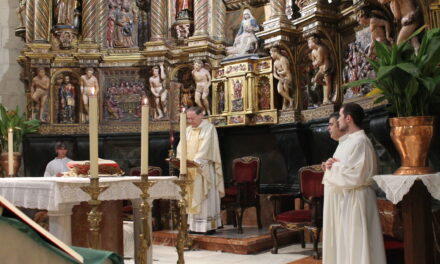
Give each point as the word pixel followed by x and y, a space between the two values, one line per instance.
pixel 176 163
pixel 7 209
pixel 81 168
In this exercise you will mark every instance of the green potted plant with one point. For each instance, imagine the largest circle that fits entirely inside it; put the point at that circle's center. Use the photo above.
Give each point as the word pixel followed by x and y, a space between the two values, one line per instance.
pixel 21 126
pixel 410 82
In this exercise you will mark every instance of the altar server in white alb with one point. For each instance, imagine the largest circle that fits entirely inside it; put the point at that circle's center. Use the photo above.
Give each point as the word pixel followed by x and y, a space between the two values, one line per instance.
pixel 59 164
pixel 351 231
pixel 208 187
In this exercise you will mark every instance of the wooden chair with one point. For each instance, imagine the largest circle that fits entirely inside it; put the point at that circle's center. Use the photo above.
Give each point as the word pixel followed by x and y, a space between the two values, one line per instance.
pixel 312 193
pixel 243 193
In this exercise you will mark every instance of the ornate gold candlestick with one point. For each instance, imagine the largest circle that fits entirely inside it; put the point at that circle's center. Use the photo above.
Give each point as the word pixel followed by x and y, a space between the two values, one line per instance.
pixel 144 237
pixel 94 217
pixel 182 237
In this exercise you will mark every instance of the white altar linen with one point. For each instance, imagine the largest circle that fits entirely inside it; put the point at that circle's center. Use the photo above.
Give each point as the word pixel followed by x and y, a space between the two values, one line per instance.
pixel 50 192
pixel 396 186
pixel 58 195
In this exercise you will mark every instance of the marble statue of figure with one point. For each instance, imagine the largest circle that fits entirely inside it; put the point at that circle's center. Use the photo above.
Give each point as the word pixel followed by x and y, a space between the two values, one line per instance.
pixel 407 13
pixel 124 28
pixel 380 29
pixel 202 77
pixel 21 12
pixel 67 101
pixel 40 91
pixel 281 72
pixel 159 92
pixel 320 57
pixel 245 41
pixel 65 12
pixel 89 85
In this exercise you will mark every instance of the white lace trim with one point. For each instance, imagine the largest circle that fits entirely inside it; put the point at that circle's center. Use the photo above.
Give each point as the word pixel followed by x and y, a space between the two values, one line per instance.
pixel 395 186
pixel 50 192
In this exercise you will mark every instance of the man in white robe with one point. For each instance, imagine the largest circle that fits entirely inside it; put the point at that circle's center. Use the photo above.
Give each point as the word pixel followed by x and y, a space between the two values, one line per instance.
pixel 351 230
pixel 58 165
pixel 207 188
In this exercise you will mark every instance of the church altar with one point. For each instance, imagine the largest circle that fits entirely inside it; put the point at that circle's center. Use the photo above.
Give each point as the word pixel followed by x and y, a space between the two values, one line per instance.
pixel 58 195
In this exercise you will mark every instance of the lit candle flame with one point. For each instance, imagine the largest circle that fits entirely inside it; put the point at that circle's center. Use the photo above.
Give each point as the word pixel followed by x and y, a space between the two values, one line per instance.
pixel 93 91
pixel 10 130
pixel 183 110
pixel 145 101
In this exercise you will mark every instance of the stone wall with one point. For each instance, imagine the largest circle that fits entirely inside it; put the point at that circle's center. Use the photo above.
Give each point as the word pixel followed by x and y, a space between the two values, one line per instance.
pixel 11 88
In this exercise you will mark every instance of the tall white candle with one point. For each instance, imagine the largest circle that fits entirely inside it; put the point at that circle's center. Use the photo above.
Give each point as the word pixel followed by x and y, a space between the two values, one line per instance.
pixel 10 151
pixel 93 134
pixel 144 137
pixel 183 169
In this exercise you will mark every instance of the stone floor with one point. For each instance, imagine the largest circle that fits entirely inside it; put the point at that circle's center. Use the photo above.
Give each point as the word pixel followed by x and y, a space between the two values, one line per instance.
pixel 168 255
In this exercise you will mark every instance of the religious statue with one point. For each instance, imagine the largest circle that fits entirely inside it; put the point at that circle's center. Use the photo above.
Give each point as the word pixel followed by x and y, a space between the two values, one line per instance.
pixel 380 29
pixel 89 85
pixel 40 91
pixel 408 14
pixel 184 9
pixel 112 107
pixel 67 101
pixel 237 89
pixel 245 41
pixel 111 20
pixel 186 88
pixel 124 35
pixel 159 92
pixel 281 72
pixel 264 94
pixel 222 99
pixel 320 57
pixel 21 12
pixel 65 12
pixel 202 77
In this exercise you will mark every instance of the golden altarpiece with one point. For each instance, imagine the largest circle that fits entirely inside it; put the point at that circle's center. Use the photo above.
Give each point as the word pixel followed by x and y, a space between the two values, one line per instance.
pixel 126 50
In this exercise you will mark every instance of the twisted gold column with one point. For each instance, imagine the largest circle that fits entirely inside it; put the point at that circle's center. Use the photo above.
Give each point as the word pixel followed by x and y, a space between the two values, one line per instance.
pixel 278 8
pixel 201 13
pixel 29 22
pixel 41 21
pixel 158 19
pixel 89 18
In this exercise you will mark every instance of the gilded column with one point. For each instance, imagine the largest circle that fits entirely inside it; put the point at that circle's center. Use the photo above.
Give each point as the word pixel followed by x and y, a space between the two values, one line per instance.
pixel 278 8
pixel 41 21
pixel 219 20
pixel 89 18
pixel 158 20
pixel 102 18
pixel 30 21
pixel 201 13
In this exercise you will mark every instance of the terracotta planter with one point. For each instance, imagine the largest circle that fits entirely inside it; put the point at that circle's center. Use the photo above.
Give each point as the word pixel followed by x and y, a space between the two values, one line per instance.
pixel 412 137
pixel 5 164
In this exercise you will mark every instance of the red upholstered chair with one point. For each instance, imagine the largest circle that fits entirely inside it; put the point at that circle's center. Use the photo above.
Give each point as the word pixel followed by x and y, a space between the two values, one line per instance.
pixel 312 193
pixel 243 193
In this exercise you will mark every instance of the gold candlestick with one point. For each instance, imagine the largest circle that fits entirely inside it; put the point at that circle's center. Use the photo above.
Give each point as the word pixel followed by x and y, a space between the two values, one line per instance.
pixel 94 217
pixel 182 237
pixel 144 237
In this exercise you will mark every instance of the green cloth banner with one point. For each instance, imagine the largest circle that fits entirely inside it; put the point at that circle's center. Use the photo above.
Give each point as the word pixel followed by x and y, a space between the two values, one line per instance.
pixel 91 256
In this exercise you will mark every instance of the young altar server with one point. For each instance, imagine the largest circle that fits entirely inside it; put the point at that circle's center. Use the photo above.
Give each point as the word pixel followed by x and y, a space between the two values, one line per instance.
pixel 59 164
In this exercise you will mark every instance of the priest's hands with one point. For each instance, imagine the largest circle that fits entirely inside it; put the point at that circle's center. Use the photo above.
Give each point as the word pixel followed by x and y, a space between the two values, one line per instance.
pixel 329 163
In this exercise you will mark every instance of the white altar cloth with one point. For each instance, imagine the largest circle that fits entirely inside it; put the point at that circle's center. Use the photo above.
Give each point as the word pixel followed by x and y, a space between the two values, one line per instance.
pixel 396 186
pixel 50 193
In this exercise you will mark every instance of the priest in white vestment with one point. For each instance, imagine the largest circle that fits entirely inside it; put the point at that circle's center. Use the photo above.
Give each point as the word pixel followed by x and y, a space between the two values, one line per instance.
pixel 59 164
pixel 351 230
pixel 207 188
